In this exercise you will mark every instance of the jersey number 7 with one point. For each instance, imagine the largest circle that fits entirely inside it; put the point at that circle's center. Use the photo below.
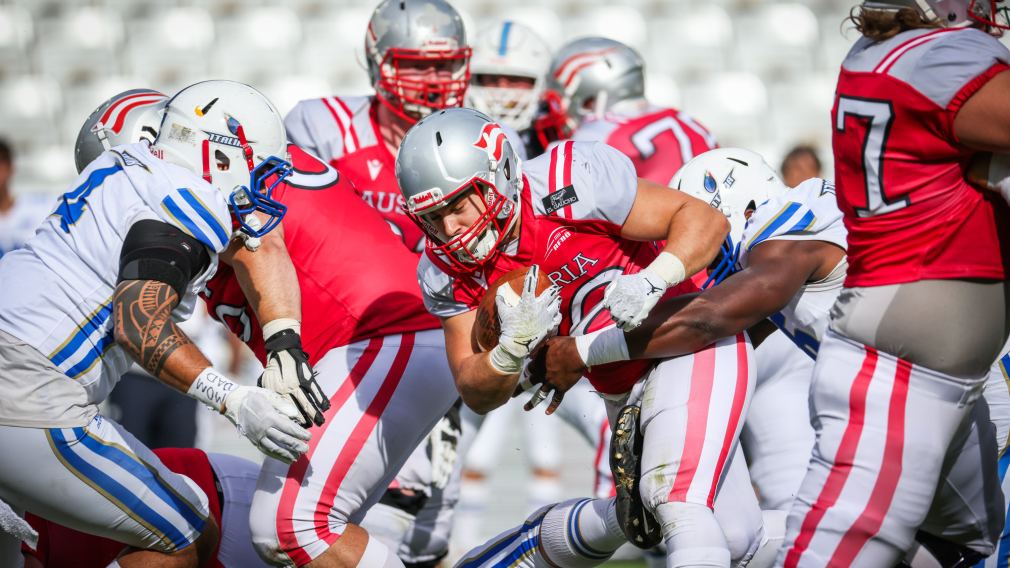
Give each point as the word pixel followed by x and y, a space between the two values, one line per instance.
pixel 872 126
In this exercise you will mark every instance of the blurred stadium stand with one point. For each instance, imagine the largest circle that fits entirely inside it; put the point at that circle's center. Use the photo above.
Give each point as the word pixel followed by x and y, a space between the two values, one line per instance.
pixel 757 72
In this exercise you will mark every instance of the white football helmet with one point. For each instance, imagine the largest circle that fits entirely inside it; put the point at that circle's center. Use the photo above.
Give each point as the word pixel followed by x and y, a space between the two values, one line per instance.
pixel 127 118
pixel 951 13
pixel 508 49
pixel 408 32
pixel 734 181
pixel 448 155
pixel 229 133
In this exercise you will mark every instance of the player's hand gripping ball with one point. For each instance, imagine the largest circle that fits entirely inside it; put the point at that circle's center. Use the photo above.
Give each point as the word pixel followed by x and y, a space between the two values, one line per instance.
pixel 487 327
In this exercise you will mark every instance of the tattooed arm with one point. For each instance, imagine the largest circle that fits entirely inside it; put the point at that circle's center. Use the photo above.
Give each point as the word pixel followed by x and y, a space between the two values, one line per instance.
pixel 144 327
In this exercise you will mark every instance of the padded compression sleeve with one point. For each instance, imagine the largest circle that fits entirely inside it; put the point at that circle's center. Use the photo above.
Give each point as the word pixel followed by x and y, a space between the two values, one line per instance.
pixel 155 250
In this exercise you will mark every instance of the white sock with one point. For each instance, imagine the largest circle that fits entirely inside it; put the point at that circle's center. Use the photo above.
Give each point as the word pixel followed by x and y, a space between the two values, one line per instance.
pixel 580 533
pixel 693 537
pixel 377 555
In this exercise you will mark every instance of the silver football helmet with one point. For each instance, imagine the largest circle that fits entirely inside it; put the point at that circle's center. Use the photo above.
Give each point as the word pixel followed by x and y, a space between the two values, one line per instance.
pixel 405 34
pixel 592 74
pixel 127 118
pixel 451 154
pixel 734 181
pixel 508 50
pixel 951 13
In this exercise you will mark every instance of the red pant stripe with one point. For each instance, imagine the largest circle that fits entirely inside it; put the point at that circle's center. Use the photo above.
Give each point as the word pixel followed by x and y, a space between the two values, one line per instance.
pixel 844 458
pixel 702 375
pixel 739 397
pixel 362 430
pixel 872 517
pixel 296 473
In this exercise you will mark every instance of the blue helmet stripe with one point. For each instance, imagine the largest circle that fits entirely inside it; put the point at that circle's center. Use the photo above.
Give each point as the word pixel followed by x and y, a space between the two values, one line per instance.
pixel 504 42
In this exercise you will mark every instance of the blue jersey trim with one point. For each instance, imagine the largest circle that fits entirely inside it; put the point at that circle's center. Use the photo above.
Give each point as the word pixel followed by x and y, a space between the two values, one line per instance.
pixel 205 214
pixel 187 224
pixel 133 504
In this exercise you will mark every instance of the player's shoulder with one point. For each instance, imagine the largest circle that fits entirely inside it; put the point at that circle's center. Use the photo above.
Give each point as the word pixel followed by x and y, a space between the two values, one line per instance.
pixel 582 180
pixel 805 210
pixel 938 63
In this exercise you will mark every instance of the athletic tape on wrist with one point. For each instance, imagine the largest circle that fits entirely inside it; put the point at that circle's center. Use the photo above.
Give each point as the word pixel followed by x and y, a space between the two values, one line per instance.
pixel 280 324
pixel 212 388
pixel 602 346
pixel 669 267
pixel 505 362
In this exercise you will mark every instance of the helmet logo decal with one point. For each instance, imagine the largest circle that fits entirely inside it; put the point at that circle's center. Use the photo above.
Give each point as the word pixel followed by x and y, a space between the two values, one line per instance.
pixel 729 181
pixel 569 69
pixel 223 139
pixel 710 184
pixel 203 111
pixel 492 140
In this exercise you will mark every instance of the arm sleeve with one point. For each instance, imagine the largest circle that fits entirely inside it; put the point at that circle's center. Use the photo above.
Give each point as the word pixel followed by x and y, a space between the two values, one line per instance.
pixel 155 250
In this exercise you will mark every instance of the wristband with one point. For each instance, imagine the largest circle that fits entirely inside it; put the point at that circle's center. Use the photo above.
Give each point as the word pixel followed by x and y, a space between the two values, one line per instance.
pixel 212 388
pixel 602 346
pixel 668 267
pixel 280 324
pixel 505 362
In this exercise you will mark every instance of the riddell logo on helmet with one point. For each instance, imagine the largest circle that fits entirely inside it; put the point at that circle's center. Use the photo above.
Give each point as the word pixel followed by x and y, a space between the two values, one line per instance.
pixel 492 139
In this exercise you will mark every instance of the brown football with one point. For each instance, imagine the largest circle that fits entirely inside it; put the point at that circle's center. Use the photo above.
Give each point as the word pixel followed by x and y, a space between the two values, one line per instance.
pixel 485 331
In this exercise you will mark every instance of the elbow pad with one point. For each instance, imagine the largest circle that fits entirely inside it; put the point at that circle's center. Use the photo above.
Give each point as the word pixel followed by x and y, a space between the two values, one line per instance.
pixel 155 250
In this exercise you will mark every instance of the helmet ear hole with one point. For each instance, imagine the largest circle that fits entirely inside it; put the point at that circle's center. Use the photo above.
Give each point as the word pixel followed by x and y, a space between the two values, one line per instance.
pixel 223 161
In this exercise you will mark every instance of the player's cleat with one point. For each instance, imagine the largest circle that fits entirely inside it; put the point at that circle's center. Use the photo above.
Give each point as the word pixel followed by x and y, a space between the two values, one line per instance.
pixel 637 523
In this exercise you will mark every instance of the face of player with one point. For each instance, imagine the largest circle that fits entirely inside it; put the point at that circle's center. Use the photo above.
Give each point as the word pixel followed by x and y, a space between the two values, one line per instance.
pixel 455 218
pixel 504 81
pixel 425 78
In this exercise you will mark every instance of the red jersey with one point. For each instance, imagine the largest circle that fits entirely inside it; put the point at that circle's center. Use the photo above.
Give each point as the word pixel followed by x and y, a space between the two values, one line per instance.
pixel 575 199
pixel 899 169
pixel 62 546
pixel 658 140
pixel 356 279
pixel 344 132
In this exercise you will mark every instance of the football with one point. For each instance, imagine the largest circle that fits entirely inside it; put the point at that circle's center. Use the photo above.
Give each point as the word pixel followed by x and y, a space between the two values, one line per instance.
pixel 485 331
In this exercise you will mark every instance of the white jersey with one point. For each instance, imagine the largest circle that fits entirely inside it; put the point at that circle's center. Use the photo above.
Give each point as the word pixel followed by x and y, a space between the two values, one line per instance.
pixel 806 212
pixel 58 289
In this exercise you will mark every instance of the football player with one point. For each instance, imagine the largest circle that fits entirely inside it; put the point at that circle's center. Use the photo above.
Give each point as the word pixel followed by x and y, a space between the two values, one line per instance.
pixel 596 89
pixel 102 284
pixel 924 310
pixel 509 70
pixel 380 362
pixel 228 481
pixel 344 318
pixel 790 265
pixel 581 215
pixel 418 62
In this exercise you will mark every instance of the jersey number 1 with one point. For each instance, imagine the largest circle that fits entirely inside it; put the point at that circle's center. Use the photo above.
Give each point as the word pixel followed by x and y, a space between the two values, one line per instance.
pixel 878 116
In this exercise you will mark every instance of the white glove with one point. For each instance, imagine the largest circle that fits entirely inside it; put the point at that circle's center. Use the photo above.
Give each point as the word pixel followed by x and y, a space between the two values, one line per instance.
pixel 267 419
pixel 525 320
pixel 443 441
pixel 630 297
pixel 14 525
pixel 288 371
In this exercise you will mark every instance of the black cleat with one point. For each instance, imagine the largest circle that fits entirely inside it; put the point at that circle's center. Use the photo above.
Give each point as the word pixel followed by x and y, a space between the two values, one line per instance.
pixel 638 524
